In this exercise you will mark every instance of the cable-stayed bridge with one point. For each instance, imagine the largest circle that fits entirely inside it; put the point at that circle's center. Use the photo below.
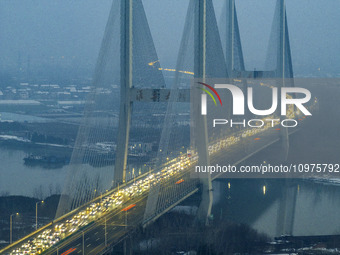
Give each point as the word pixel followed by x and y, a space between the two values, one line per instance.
pixel 131 166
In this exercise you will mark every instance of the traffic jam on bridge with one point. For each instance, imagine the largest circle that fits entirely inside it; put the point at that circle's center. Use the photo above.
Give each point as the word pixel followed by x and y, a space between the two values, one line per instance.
pixel 55 233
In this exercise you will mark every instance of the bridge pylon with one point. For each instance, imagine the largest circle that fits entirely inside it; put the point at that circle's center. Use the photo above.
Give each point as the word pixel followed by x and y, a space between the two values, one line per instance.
pixel 126 44
pixel 125 80
pixel 200 58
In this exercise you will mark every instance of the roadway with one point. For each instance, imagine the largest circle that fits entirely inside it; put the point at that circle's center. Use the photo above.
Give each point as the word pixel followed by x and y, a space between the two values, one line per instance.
pixel 94 235
pixel 66 233
pixel 118 224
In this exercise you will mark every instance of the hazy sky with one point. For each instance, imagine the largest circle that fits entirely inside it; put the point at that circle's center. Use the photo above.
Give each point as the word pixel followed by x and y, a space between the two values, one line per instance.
pixel 69 32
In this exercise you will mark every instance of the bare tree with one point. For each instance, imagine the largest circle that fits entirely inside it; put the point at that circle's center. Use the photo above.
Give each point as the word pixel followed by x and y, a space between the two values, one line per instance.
pixel 38 192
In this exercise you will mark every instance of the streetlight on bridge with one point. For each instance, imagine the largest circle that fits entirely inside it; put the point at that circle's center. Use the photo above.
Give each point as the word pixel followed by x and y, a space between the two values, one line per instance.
pixel 83 242
pixel 10 227
pixel 36 213
pixel 105 233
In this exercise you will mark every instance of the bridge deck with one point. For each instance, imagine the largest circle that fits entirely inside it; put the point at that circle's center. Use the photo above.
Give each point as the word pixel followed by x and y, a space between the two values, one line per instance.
pixel 94 231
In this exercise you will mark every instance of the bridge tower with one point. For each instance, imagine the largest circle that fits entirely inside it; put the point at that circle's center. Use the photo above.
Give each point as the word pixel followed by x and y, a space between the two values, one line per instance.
pixel 126 39
pixel 279 51
pixel 200 68
pixel 284 71
pixel 123 68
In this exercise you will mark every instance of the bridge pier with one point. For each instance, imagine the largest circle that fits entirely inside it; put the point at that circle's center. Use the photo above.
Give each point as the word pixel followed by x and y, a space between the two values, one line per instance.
pixel 127 246
pixel 286 210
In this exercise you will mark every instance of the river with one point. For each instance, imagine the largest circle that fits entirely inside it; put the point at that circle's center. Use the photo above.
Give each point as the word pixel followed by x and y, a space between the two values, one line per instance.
pixel 257 201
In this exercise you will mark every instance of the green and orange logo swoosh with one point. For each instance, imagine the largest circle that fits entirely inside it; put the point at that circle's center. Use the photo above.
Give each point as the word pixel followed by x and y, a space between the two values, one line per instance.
pixel 209 93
